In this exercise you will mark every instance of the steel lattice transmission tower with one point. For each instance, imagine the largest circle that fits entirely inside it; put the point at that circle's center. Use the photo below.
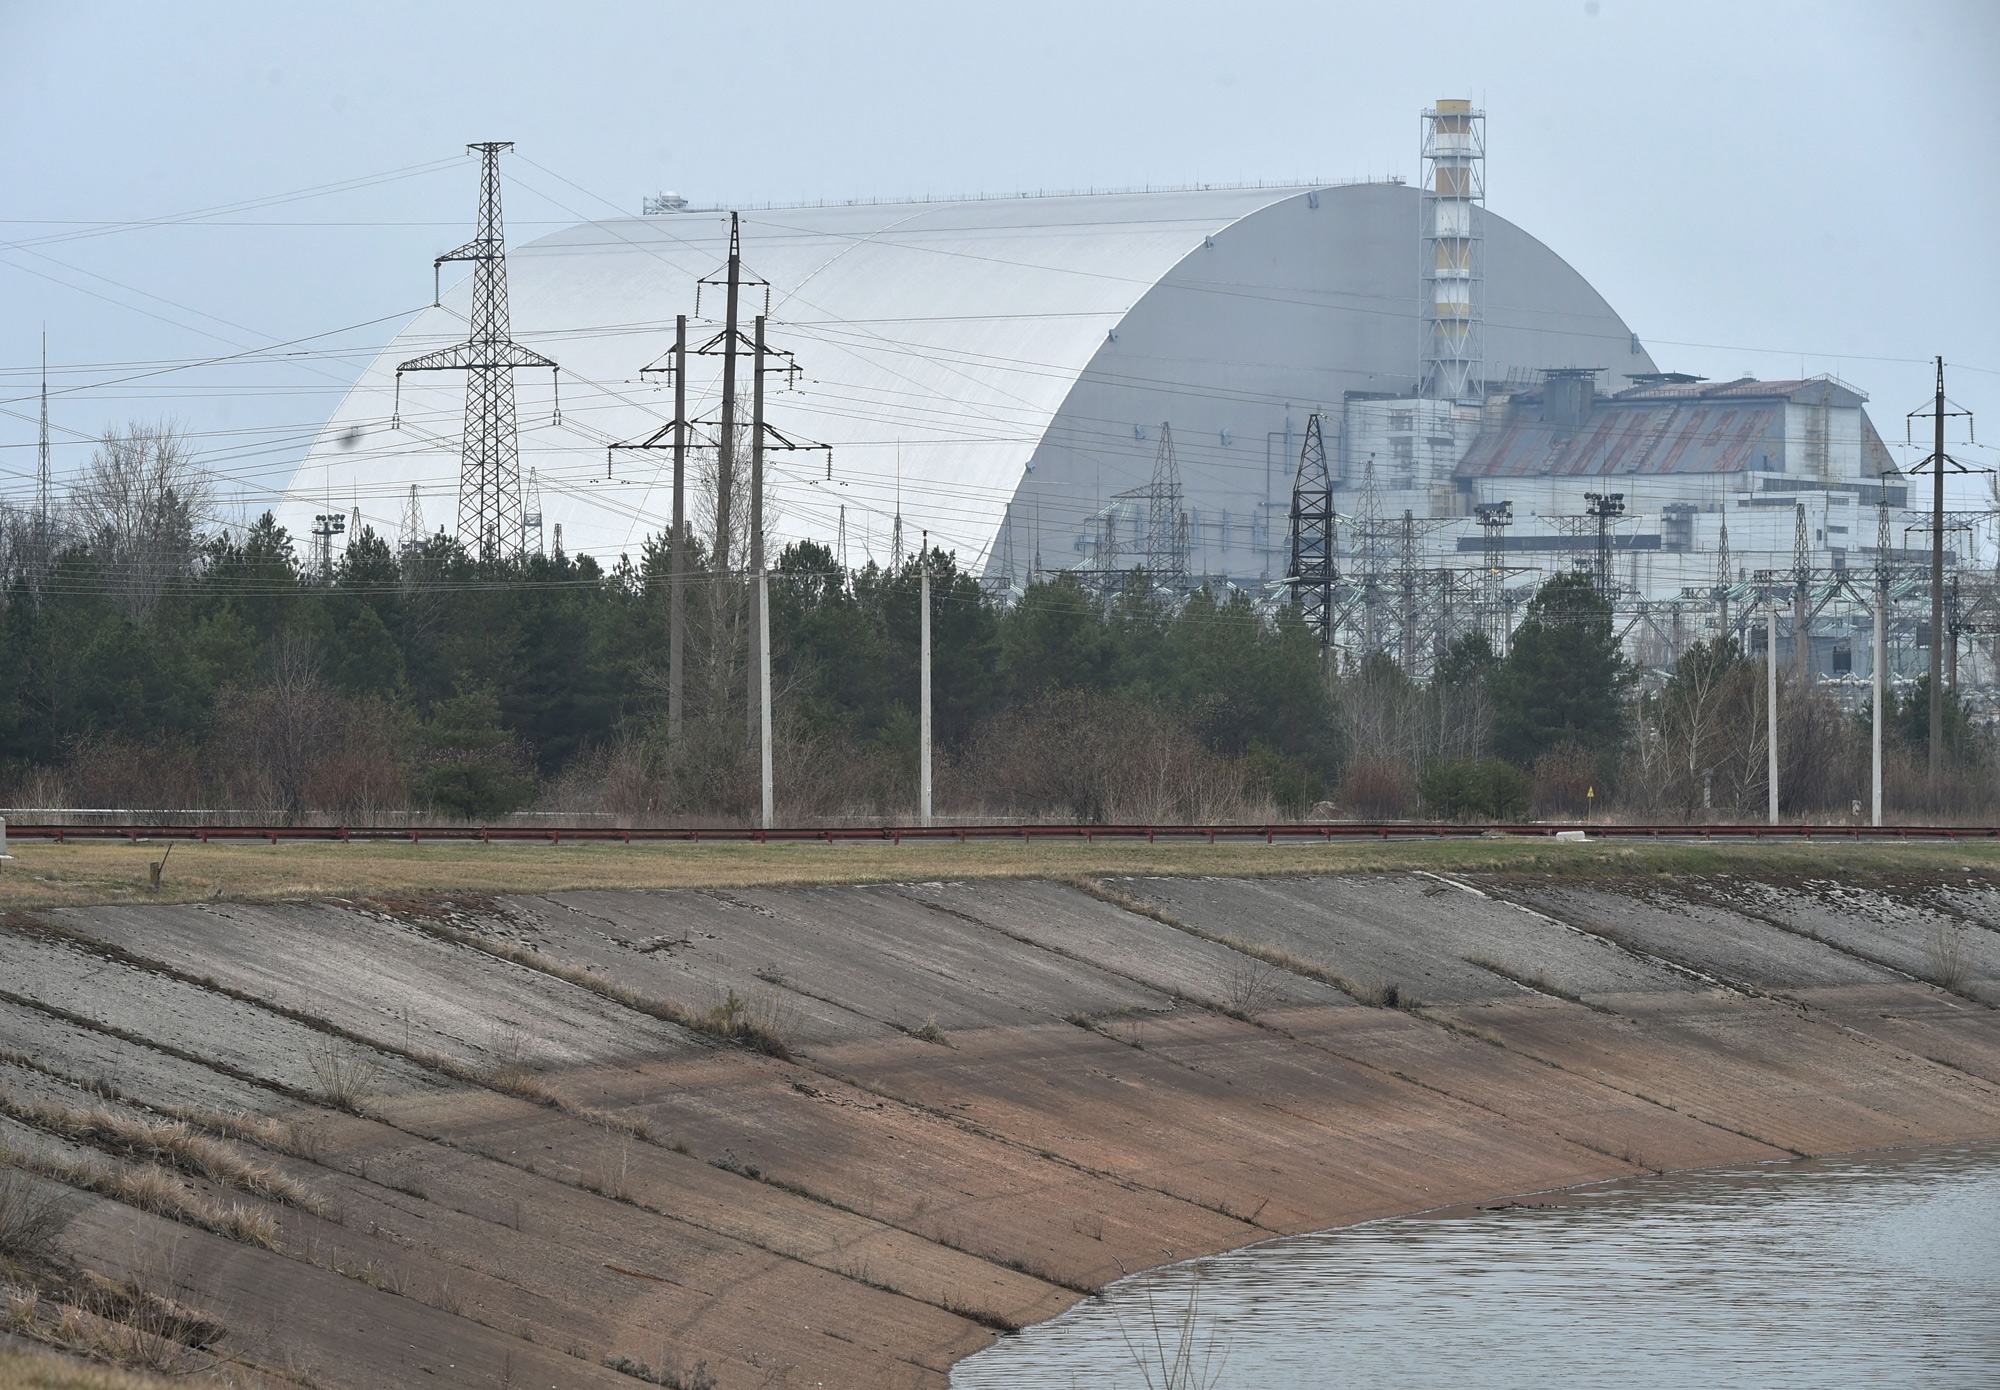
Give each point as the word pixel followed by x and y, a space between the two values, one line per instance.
pixel 489 478
pixel 1312 571
pixel 1166 520
pixel 410 539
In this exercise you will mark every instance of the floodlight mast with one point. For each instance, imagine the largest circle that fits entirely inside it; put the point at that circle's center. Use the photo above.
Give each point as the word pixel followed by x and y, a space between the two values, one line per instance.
pixel 489 478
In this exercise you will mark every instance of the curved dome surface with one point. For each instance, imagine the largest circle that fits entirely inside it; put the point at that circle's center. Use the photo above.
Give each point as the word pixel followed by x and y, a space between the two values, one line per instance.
pixel 992 369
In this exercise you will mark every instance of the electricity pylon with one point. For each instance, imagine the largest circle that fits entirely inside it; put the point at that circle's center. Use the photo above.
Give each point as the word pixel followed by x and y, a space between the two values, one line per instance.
pixel 1312 571
pixel 1166 520
pixel 489 477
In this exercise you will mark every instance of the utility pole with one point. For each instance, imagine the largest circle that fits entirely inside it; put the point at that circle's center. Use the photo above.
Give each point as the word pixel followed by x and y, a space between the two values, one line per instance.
pixel 681 538
pixel 489 479
pixel 44 482
pixel 1771 701
pixel 725 449
pixel 1801 596
pixel 1937 589
pixel 1881 660
pixel 1884 580
pixel 924 688
pixel 1937 462
pixel 764 679
pixel 757 494
pixel 677 595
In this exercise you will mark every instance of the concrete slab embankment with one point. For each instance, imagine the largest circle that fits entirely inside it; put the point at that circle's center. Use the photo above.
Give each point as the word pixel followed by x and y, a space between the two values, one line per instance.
pixel 961 1106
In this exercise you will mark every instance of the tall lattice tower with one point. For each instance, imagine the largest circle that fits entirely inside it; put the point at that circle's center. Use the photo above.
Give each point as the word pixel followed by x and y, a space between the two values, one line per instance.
pixel 531 516
pixel 1454 251
pixel 410 539
pixel 45 521
pixel 1725 580
pixel 1166 519
pixel 489 477
pixel 1312 571
pixel 1494 519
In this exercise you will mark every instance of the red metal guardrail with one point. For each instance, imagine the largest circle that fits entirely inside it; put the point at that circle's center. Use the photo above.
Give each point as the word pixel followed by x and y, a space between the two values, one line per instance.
pixel 1270 834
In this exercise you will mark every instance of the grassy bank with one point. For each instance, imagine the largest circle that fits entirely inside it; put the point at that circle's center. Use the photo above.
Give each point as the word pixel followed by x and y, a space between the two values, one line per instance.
pixel 98 872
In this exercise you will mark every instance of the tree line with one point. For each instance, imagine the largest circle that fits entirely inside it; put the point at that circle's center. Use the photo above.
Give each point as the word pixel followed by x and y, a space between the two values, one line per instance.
pixel 150 661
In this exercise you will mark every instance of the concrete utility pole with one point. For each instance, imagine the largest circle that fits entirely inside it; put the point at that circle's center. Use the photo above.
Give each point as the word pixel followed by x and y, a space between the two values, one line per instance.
pixel 725 447
pixel 1881 679
pixel 757 491
pixel 677 602
pixel 924 695
pixel 1771 702
pixel 1937 591
pixel 764 681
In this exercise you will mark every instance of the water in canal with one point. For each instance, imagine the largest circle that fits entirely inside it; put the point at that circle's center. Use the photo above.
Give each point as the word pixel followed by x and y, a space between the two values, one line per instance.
pixel 1874 1271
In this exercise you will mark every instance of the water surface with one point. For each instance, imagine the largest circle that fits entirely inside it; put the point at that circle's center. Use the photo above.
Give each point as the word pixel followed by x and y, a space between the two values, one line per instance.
pixel 1874 1271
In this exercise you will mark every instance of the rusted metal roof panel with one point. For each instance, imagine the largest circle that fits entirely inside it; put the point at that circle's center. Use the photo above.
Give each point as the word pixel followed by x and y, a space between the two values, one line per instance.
pixel 1626 438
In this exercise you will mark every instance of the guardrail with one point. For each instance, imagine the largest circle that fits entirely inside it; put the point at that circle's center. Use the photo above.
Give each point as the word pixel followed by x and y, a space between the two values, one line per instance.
pixel 1326 832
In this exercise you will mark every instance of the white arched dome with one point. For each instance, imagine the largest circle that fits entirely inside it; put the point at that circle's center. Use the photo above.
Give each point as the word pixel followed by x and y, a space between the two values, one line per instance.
pixel 994 368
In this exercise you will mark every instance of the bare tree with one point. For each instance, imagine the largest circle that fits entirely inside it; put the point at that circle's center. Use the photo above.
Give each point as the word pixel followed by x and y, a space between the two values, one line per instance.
pixel 139 507
pixel 1691 721
pixel 287 727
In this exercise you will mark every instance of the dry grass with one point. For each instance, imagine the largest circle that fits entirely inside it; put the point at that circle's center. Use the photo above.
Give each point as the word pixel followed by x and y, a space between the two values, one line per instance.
pixel 93 872
pixel 345 1074
pixel 33 1217
pixel 25 1369
pixel 1945 953
pixel 138 1322
pixel 154 1189
pixel 290 1137
pixel 173 1143
pixel 1248 985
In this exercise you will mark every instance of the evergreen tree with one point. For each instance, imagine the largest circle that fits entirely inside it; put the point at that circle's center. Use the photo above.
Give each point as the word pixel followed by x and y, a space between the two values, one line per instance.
pixel 1564 682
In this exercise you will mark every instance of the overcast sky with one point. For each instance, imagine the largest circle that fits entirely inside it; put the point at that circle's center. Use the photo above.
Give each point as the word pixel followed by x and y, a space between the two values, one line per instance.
pixel 1761 187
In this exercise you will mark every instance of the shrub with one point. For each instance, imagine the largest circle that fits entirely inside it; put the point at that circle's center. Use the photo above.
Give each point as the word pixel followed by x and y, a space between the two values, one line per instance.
pixel 1476 789
pixel 1377 788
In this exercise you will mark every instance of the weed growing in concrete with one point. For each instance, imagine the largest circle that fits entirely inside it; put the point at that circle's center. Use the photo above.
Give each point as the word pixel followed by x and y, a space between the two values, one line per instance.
pixel 762 1021
pixel 1091 1226
pixel 609 1175
pixel 346 1075
pixel 928 1031
pixel 1383 996
pixel 33 1217
pixel 1248 984
pixel 1946 955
